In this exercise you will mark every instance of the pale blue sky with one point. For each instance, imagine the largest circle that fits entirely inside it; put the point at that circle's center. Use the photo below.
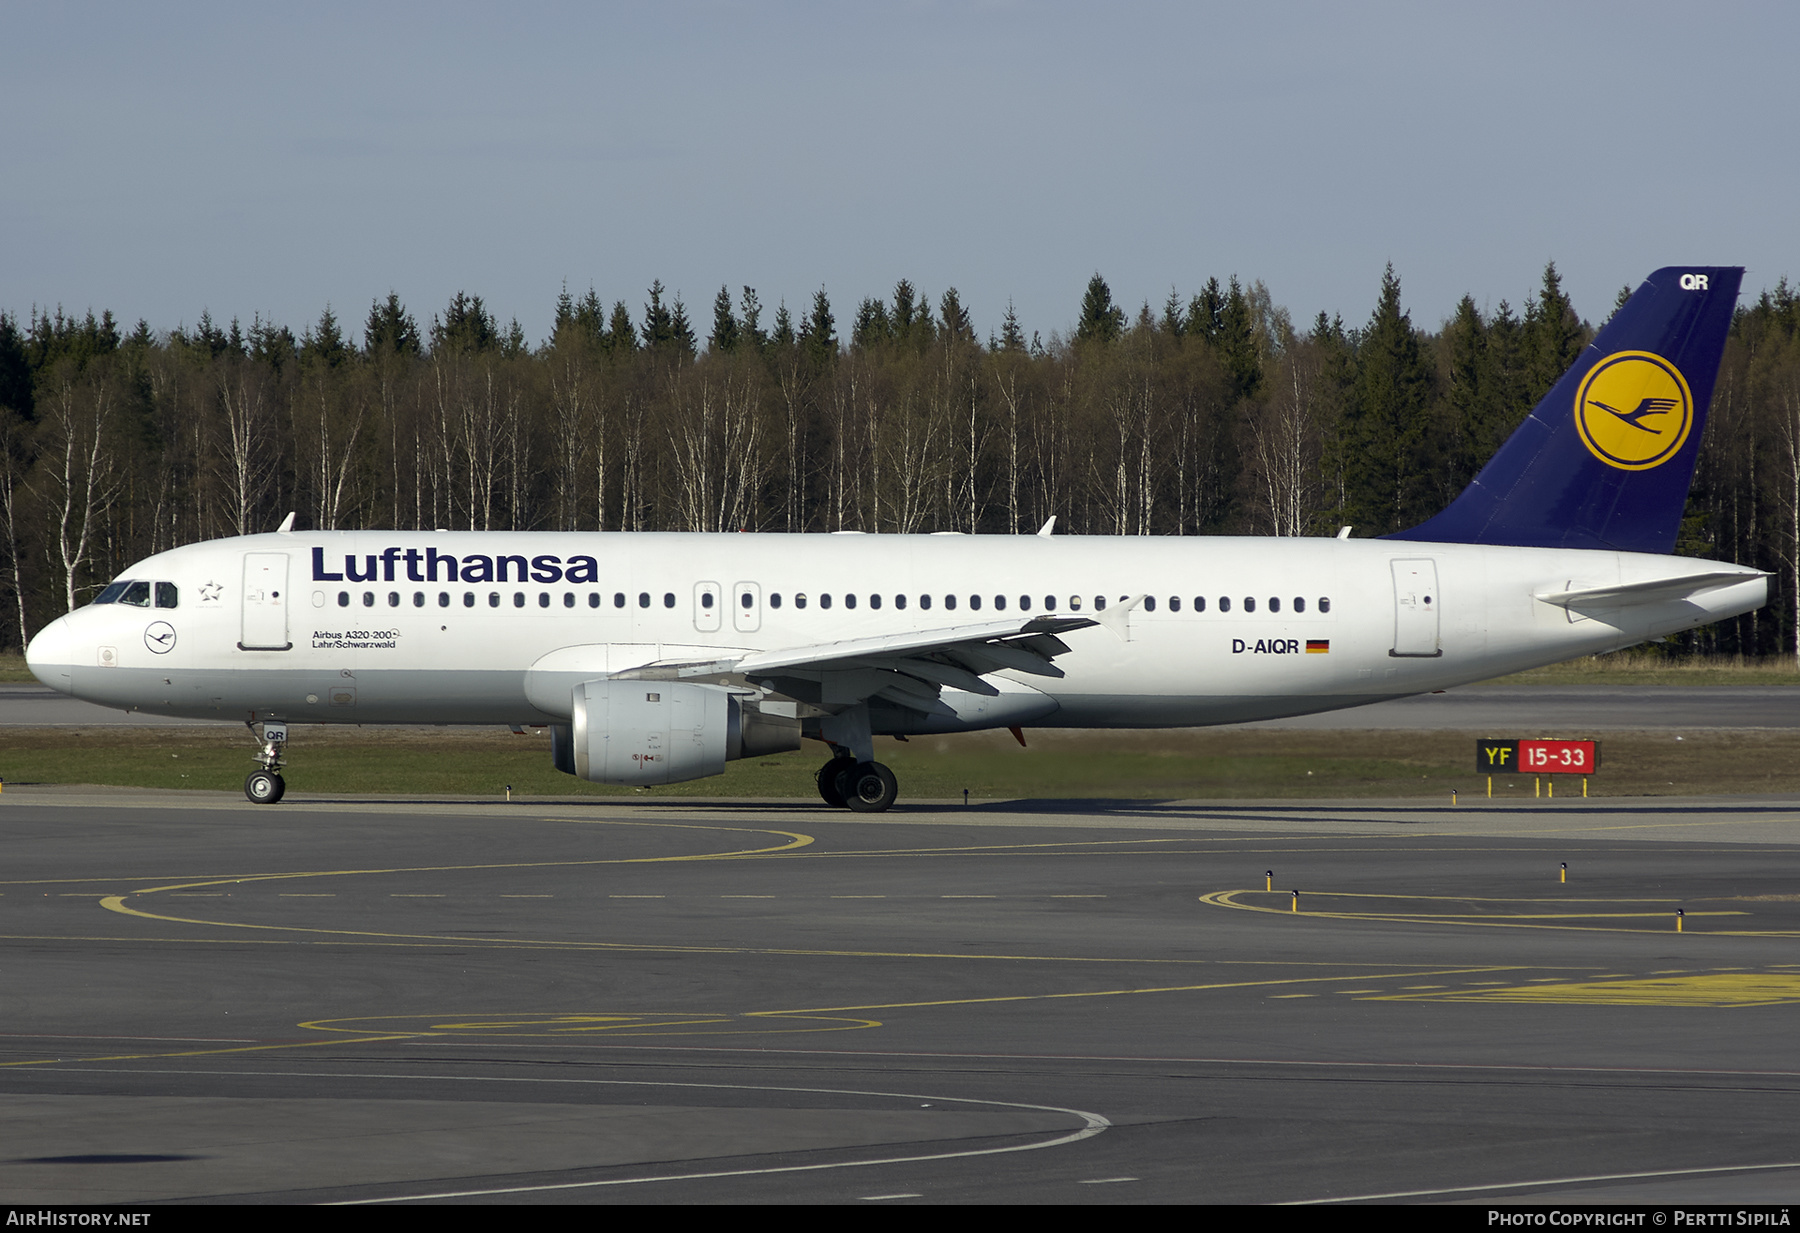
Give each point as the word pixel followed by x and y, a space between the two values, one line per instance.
pixel 162 159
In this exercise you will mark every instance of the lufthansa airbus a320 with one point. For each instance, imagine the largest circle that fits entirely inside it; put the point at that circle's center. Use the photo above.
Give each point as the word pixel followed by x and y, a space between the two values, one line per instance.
pixel 656 658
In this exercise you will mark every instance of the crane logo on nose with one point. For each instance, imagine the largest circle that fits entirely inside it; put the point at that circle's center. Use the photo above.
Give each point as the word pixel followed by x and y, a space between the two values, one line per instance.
pixel 160 638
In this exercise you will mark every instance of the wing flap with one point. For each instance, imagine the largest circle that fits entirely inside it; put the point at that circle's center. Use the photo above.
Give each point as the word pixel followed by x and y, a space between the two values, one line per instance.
pixel 911 669
pixel 919 642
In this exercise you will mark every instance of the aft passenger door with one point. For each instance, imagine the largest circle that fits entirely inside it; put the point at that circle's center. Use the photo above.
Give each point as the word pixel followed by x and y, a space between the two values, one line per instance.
pixel 265 625
pixel 1416 604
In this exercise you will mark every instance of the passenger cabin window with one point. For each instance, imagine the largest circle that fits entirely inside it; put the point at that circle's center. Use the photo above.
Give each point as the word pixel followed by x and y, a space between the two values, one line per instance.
pixel 1324 604
pixel 1299 604
pixel 825 600
pixel 1074 603
pixel 899 601
pixel 1099 603
pixel 1274 604
pixel 775 599
pixel 1174 603
pixel 593 599
pixel 850 601
pixel 950 602
pixel 1199 603
pixel 1149 603
pixel 543 599
pixel 668 599
pixel 1049 603
pixel 568 599
pixel 393 599
pixel 1024 603
pixel 493 599
pixel 443 599
pixel 706 600
pixel 800 600
pixel 468 599
pixel 643 599
pixel 875 601
pixel 1224 603
pixel 518 599
pixel 618 599
pixel 343 599
pixel 368 599
pixel 924 601
pixel 1249 603
pixel 418 599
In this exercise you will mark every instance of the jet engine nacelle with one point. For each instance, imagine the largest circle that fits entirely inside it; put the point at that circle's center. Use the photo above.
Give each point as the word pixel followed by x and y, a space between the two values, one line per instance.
pixel 648 732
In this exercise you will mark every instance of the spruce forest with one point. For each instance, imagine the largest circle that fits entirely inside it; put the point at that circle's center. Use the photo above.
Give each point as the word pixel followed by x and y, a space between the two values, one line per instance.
pixel 1213 415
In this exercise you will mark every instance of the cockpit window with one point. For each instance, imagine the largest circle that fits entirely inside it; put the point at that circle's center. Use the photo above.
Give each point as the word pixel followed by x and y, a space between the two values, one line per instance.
pixel 166 595
pixel 137 594
pixel 112 592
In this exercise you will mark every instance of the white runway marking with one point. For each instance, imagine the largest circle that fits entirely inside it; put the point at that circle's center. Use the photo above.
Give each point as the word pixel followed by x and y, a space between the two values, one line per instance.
pixel 1546 1181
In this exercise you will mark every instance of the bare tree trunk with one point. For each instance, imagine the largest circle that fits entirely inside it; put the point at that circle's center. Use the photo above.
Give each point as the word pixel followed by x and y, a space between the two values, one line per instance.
pixel 82 472
pixel 12 465
pixel 248 440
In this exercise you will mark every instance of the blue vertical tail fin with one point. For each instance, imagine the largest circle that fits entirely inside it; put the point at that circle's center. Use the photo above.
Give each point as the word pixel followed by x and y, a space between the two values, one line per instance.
pixel 1606 459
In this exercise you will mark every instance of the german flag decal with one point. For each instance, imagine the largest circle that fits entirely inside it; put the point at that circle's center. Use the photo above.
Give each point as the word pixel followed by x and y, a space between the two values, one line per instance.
pixel 1318 646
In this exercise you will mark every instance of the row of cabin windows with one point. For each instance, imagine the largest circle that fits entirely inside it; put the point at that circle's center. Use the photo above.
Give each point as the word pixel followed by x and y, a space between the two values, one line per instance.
pixel 493 599
pixel 1025 602
pixel 140 594
pixel 748 600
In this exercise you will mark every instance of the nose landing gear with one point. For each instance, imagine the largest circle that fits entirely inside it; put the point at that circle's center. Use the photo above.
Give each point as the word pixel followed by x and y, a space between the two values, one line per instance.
pixel 265 786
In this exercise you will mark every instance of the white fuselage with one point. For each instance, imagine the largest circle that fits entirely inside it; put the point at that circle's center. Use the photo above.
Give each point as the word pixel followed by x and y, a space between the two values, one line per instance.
pixel 352 627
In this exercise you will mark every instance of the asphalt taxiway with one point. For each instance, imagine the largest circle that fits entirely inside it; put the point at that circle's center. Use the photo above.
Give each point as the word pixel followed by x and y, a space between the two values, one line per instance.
pixel 366 1001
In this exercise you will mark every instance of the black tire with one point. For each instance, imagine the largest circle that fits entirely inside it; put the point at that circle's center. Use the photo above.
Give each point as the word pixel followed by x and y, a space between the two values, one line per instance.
pixel 264 787
pixel 868 787
pixel 827 779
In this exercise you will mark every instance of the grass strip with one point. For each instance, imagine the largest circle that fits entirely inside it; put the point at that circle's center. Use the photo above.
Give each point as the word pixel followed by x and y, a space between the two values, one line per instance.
pixel 1198 763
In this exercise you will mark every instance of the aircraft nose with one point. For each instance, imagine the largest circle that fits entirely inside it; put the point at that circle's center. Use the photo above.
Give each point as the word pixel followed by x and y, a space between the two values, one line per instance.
pixel 50 656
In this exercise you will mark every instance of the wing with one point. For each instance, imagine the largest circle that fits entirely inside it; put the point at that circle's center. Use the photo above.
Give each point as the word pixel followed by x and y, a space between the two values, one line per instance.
pixel 906 669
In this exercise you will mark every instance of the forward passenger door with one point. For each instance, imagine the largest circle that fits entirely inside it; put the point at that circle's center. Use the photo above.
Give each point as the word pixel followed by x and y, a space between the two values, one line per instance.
pixel 265 603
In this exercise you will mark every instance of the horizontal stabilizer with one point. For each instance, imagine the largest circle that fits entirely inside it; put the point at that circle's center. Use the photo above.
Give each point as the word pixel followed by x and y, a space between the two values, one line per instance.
pixel 1657 590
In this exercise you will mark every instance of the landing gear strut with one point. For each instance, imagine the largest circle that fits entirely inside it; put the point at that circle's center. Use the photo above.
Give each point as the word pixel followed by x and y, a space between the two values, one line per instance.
pixel 853 778
pixel 265 786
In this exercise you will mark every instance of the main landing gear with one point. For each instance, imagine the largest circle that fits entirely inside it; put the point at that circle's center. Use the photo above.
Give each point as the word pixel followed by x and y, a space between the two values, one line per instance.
pixel 265 786
pixel 864 787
